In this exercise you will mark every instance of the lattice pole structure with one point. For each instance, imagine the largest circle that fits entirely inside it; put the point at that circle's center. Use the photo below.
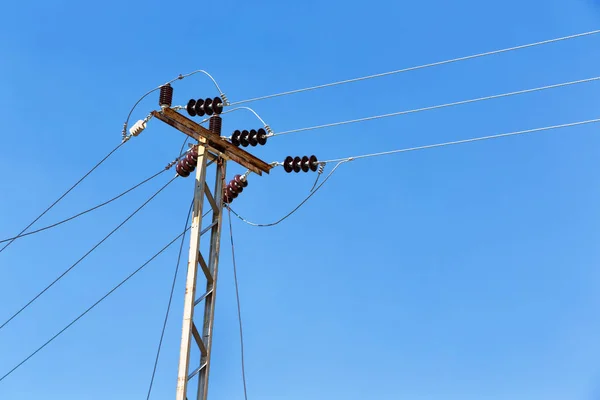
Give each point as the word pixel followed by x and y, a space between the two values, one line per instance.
pixel 211 149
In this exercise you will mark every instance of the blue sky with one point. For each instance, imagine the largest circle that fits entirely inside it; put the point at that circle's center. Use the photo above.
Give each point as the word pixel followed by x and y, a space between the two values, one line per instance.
pixel 467 272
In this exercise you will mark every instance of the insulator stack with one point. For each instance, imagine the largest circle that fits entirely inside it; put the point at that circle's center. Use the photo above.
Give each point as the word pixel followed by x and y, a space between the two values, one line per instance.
pixel 298 164
pixel 252 137
pixel 234 188
pixel 204 107
pixel 214 124
pixel 187 164
pixel 166 96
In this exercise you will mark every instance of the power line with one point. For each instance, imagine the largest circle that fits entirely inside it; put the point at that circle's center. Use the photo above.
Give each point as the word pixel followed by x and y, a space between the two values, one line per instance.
pixel 86 211
pixel 297 207
pixel 462 102
pixel 435 64
pixel 237 296
pixel 90 308
pixel 164 327
pixel 63 195
pixel 455 142
pixel 86 254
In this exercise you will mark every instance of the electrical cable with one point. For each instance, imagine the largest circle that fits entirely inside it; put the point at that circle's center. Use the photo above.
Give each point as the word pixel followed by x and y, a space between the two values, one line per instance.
pixel 164 327
pixel 298 206
pixel 86 254
pixel 91 307
pixel 462 102
pixel 237 296
pixel 179 77
pixel 434 64
pixel 64 195
pixel 86 211
pixel 455 142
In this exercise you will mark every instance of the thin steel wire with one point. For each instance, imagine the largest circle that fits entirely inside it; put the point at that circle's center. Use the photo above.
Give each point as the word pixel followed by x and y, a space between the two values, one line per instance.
pixel 85 255
pixel 239 310
pixel 462 102
pixel 90 308
pixel 164 327
pixel 86 211
pixel 63 195
pixel 455 142
pixel 297 207
pixel 418 67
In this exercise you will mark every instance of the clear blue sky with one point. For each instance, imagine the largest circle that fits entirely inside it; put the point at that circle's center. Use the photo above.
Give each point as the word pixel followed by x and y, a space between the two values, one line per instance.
pixel 468 272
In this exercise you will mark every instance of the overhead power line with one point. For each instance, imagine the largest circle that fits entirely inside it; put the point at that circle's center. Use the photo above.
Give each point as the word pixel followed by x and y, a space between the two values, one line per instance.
pixel 455 142
pixel 91 307
pixel 424 66
pixel 341 161
pixel 297 207
pixel 456 103
pixel 63 195
pixel 85 255
pixel 239 309
pixel 86 211
pixel 164 327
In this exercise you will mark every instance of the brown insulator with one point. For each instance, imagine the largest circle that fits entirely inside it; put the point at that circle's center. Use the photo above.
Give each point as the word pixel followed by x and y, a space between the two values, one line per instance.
pixel 214 124
pixel 166 96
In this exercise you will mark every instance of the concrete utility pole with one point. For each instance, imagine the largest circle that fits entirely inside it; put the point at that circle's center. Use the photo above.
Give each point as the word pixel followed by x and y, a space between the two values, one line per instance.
pixel 211 149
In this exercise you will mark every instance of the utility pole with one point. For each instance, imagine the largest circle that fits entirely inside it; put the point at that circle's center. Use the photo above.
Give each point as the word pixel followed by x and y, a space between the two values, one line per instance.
pixel 210 149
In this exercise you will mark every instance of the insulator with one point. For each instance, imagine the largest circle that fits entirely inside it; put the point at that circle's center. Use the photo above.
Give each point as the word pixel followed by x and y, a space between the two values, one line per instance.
pixel 166 96
pixel 236 187
pixel 214 124
pixel 230 193
pixel 217 105
pixel 181 171
pixel 235 138
pixel 314 164
pixel 241 180
pixel 297 164
pixel 199 107
pixel 191 159
pixel 244 139
pixel 288 164
pixel 194 152
pixel 262 137
pixel 305 164
pixel 253 138
pixel 208 108
pixel 190 107
pixel 137 128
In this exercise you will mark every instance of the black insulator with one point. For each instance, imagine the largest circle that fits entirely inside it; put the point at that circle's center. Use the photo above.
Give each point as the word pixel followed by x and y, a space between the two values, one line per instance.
pixel 288 164
pixel 305 164
pixel 235 138
pixel 214 124
pixel 244 139
pixel 297 164
pixel 313 163
pixel 262 137
pixel 217 105
pixel 166 96
pixel 238 179
pixel 199 107
pixel 208 108
pixel 181 171
pixel 253 138
pixel 190 107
